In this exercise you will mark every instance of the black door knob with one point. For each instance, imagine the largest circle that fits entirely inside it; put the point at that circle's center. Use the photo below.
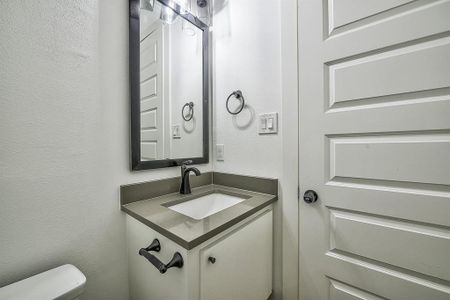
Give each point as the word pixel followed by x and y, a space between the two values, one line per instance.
pixel 310 196
pixel 212 259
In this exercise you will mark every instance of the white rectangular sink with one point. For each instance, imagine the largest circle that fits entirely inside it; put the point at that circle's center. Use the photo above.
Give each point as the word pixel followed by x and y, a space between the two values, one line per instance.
pixel 207 205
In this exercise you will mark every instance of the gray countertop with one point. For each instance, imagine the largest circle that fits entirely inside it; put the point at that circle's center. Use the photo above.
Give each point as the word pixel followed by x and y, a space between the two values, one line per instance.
pixel 189 232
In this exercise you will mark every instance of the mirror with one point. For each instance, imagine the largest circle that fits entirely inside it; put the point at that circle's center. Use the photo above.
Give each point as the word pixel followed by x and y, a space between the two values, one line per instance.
pixel 169 85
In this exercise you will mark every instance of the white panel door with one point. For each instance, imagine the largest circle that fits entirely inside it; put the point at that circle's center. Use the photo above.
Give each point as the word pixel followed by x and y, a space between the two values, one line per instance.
pixel 374 88
pixel 152 144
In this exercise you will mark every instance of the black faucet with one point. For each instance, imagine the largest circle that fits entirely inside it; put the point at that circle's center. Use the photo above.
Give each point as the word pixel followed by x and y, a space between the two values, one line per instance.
pixel 185 187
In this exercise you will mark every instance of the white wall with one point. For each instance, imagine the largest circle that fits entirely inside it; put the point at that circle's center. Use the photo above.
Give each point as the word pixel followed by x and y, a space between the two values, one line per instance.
pixel 186 84
pixel 64 114
pixel 247 56
pixel 246 46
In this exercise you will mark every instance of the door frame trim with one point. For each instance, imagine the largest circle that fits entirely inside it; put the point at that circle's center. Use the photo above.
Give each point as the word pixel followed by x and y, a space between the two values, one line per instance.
pixel 290 125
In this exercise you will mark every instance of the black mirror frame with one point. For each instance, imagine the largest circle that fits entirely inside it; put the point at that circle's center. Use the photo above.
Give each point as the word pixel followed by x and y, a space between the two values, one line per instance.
pixel 134 48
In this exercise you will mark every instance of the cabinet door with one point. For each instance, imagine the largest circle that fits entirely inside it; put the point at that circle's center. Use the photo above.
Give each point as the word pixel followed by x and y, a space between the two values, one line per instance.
pixel 243 263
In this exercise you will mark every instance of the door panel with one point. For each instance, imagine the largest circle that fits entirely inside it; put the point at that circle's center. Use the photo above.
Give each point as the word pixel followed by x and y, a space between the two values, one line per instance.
pixel 342 291
pixel 382 280
pixel 404 244
pixel 344 12
pixel 391 158
pixel 374 88
pixel 152 144
pixel 427 66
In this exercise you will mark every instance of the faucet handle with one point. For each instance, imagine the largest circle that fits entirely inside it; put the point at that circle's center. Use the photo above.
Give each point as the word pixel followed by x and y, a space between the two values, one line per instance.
pixel 183 166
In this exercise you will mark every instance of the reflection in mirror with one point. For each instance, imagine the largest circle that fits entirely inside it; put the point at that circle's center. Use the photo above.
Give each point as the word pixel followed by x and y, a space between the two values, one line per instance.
pixel 171 85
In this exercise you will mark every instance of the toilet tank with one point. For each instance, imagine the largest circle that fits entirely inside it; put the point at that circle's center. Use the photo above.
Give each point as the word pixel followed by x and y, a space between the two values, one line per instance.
pixel 63 283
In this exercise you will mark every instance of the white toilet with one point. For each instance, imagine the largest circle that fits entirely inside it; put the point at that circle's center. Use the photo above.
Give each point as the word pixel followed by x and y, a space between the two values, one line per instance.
pixel 63 283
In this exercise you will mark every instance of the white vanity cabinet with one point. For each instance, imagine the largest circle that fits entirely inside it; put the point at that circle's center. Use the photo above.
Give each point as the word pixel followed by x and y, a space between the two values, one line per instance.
pixel 235 264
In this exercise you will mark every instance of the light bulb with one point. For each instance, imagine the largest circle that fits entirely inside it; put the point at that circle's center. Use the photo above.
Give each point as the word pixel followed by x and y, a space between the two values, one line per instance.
pixel 147 4
pixel 167 15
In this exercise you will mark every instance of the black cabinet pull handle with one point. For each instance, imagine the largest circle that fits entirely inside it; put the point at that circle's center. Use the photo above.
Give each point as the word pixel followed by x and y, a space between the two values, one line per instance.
pixel 154 246
pixel 176 261
pixel 154 260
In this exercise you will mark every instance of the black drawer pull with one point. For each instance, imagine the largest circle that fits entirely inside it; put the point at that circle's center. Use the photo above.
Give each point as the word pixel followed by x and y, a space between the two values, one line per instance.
pixel 176 261
pixel 154 246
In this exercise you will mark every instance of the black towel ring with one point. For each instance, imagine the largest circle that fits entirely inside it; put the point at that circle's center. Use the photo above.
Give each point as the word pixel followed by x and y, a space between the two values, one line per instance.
pixel 238 95
pixel 190 115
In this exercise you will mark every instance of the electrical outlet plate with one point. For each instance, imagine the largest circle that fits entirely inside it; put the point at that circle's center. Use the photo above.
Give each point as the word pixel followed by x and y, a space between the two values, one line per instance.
pixel 176 131
pixel 268 123
pixel 220 152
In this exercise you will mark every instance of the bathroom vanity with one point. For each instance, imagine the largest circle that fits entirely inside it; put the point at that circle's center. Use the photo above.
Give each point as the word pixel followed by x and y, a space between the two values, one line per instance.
pixel 223 232
pixel 214 241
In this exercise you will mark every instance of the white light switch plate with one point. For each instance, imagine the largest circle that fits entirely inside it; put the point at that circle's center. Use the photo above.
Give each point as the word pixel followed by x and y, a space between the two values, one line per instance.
pixel 268 123
pixel 220 152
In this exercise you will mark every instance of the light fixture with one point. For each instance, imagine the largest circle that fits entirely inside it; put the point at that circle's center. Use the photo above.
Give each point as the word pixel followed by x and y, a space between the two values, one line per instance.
pixel 147 4
pixel 203 11
pixel 185 6
pixel 167 15
pixel 202 3
pixel 188 28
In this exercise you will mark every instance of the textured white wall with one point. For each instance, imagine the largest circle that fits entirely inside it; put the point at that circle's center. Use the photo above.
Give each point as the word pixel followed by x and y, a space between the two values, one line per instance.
pixel 64 107
pixel 247 45
pixel 247 56
pixel 186 86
